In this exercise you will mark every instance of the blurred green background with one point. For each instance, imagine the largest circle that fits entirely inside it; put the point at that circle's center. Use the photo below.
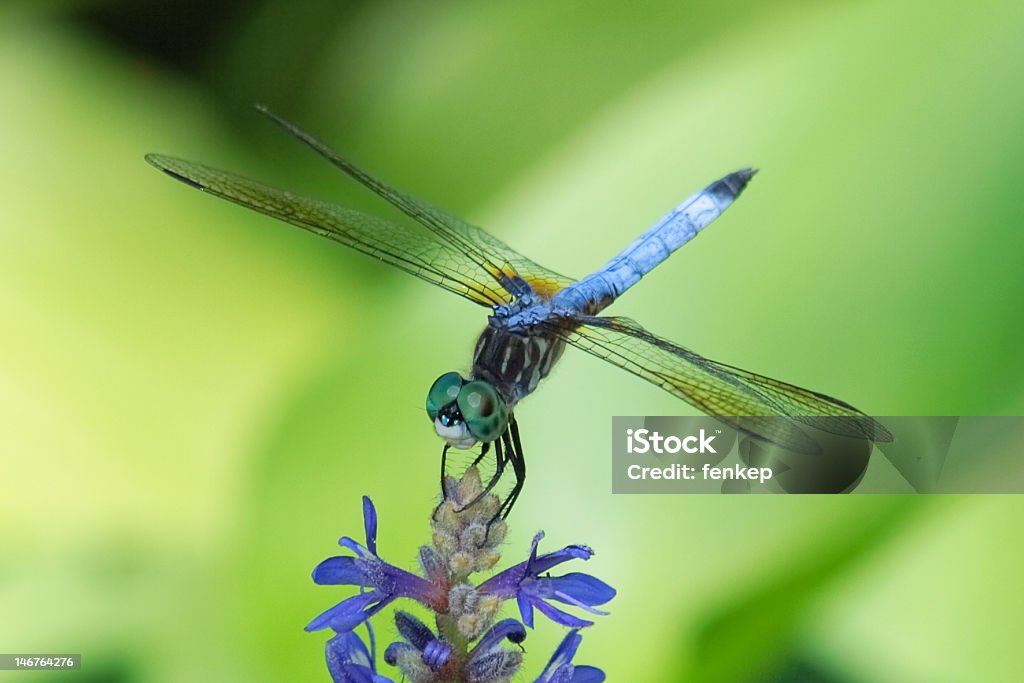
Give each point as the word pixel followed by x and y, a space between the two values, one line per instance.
pixel 192 398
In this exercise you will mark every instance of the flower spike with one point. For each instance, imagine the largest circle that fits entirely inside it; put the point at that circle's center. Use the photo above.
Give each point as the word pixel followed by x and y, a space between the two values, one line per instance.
pixel 464 642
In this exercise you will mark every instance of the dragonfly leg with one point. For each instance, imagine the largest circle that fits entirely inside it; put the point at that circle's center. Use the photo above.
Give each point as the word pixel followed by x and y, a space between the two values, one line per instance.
pixel 444 493
pixel 514 450
pixel 500 459
pixel 444 461
pixel 508 449
pixel 483 452
pixel 508 452
pixel 518 467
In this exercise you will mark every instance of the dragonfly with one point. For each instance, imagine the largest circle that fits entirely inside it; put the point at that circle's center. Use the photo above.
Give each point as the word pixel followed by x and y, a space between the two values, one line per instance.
pixel 535 313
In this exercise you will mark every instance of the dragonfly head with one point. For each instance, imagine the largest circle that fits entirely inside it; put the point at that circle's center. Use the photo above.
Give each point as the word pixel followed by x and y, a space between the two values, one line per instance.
pixel 466 411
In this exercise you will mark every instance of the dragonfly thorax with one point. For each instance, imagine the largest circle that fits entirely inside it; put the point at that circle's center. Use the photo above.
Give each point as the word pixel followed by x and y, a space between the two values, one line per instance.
pixel 515 361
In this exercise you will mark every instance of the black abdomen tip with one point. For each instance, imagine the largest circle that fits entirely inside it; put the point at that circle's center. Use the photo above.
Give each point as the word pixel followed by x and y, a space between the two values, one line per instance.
pixel 733 184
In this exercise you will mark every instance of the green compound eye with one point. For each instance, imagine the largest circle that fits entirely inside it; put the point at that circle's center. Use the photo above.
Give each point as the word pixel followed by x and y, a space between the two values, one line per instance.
pixel 444 390
pixel 483 410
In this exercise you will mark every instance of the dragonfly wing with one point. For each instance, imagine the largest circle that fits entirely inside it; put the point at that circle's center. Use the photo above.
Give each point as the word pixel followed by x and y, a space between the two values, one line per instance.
pixel 544 282
pixel 811 407
pixel 497 259
pixel 717 389
pixel 423 255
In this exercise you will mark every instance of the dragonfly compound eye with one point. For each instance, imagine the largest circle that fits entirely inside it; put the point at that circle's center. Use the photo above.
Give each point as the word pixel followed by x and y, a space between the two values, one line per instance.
pixel 444 390
pixel 483 409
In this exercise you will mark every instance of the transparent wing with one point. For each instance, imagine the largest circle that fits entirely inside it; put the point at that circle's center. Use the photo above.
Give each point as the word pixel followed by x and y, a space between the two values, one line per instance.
pixel 811 407
pixel 422 255
pixel 497 259
pixel 718 389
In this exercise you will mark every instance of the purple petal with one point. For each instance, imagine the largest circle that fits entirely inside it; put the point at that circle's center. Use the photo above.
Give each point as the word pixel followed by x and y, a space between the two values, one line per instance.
pixel 559 617
pixel 525 609
pixel 346 611
pixel 351 544
pixel 370 524
pixel 569 552
pixel 566 650
pixel 559 668
pixel 582 589
pixel 339 571
pixel 347 648
pixel 587 674
pixel 533 547
pixel 348 660
pixel 349 620
pixel 562 674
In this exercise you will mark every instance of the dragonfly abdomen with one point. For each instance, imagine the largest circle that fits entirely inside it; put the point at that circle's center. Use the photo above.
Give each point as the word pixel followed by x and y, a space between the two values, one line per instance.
pixel 514 363
pixel 679 226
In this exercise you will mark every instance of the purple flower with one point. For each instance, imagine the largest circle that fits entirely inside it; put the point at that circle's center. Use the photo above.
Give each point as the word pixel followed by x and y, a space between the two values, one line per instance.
pixel 380 583
pixel 561 669
pixel 349 661
pixel 525 583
